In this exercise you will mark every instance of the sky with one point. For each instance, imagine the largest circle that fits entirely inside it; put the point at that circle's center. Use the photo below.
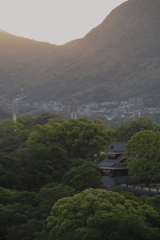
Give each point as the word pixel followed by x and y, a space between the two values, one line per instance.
pixel 53 21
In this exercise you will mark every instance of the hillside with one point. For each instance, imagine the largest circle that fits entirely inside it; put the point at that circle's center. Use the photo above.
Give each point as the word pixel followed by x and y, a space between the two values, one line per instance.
pixel 20 59
pixel 117 60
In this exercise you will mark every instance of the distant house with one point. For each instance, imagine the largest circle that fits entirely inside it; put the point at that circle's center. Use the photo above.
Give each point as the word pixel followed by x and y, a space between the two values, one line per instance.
pixel 114 169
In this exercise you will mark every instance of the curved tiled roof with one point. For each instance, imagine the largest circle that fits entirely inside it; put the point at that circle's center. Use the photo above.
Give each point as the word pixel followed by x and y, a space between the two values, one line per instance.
pixel 108 163
pixel 117 147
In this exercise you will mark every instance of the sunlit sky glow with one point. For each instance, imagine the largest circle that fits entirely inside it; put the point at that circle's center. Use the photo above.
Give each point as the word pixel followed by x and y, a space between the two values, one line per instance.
pixel 54 21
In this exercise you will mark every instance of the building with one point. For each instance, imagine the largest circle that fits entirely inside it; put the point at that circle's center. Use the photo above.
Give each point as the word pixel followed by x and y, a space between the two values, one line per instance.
pixel 114 169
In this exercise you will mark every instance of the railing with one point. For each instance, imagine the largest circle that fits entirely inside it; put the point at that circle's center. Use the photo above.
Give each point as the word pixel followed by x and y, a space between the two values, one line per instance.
pixel 140 188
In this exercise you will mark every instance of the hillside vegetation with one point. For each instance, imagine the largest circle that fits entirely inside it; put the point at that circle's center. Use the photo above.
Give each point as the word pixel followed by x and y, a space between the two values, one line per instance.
pixel 117 60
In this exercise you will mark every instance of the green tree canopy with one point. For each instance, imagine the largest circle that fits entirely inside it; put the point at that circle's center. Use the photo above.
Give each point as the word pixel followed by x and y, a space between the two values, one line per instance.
pixel 9 171
pixel 98 214
pixel 25 231
pixel 27 121
pixel 12 136
pixel 82 177
pixel 45 117
pixel 81 138
pixel 127 129
pixel 23 213
pixel 49 195
pixel 16 209
pixel 41 164
pixel 143 154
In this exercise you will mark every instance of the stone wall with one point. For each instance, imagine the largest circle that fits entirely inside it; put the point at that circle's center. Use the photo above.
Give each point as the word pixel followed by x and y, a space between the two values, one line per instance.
pixel 111 182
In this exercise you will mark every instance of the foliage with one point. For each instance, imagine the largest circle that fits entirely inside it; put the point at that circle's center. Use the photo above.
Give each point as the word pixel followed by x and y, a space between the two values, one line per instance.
pixel 101 157
pixel 127 129
pixel 27 121
pixel 42 176
pixel 23 213
pixel 51 151
pixel 82 177
pixel 9 171
pixel 143 155
pixel 25 231
pixel 12 136
pixel 98 214
pixel 45 117
pixel 49 195
pixel 81 138
pixel 41 165
pixel 16 209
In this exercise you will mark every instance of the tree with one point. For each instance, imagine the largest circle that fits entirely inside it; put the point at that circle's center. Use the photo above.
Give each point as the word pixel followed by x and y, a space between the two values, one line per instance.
pixel 49 195
pixel 127 129
pixel 27 121
pixel 143 154
pixel 25 231
pixel 17 210
pixel 12 136
pixel 23 213
pixel 42 164
pixel 82 177
pixel 45 117
pixel 9 171
pixel 81 138
pixel 96 214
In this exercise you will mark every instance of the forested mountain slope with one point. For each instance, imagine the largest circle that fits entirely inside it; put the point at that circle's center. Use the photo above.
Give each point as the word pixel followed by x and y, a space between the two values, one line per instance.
pixel 117 60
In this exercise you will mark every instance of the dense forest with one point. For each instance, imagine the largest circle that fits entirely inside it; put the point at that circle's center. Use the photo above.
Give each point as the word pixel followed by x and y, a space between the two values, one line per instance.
pixel 50 186
pixel 117 60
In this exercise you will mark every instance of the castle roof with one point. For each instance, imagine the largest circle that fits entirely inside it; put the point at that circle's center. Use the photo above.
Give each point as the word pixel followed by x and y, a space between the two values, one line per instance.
pixel 116 147
pixel 117 162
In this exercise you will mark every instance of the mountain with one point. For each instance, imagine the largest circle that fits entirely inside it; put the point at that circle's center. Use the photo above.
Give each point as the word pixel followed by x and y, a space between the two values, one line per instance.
pixel 117 60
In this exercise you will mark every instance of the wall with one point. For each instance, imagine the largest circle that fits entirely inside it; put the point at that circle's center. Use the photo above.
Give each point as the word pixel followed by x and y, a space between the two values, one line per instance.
pixel 139 191
pixel 112 182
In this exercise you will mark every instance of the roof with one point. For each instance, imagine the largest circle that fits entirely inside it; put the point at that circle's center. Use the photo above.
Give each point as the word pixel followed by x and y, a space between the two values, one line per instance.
pixel 112 163
pixel 117 147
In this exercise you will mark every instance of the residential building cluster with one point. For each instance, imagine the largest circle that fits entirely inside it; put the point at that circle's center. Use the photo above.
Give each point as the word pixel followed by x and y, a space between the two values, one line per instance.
pixel 109 109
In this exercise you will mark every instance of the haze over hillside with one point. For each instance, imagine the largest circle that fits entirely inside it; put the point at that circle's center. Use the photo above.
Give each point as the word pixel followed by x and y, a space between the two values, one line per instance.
pixel 117 60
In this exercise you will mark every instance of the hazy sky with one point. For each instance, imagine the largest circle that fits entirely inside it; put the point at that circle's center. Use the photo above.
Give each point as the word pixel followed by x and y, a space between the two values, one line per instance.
pixel 54 21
